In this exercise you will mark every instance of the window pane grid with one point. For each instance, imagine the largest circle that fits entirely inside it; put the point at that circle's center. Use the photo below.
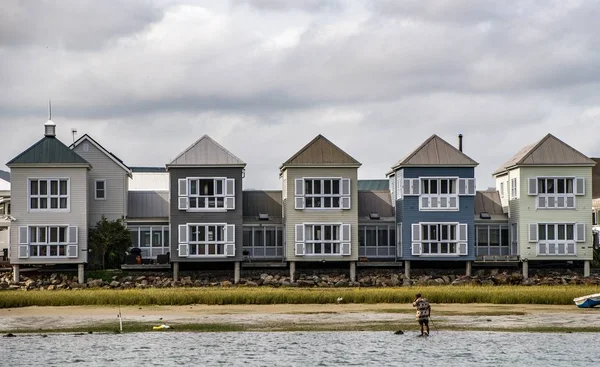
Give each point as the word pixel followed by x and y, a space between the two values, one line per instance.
pixel 48 241
pixel 439 239
pixel 263 241
pixel 206 193
pixel 48 194
pixel 556 239
pixel 322 193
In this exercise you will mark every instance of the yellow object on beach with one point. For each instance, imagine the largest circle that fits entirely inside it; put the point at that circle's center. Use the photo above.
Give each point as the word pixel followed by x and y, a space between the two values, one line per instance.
pixel 161 327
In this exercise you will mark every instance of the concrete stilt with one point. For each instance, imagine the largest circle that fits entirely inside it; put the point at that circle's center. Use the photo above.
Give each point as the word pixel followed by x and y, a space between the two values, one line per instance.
pixel 525 269
pixel 16 273
pixel 236 272
pixel 407 269
pixel 175 271
pixel 292 271
pixel 586 268
pixel 353 271
pixel 469 269
pixel 80 274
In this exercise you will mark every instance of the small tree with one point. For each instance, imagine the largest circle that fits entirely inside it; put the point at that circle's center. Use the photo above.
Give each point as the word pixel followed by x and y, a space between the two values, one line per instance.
pixel 109 241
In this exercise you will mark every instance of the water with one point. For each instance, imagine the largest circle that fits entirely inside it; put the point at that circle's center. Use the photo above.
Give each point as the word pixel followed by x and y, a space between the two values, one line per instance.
pixel 444 348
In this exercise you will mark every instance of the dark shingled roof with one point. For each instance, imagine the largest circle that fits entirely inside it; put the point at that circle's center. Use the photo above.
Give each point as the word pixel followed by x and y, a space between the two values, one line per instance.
pixel 375 201
pixel 48 150
pixel 262 202
pixel 489 202
pixel 321 151
pixel 373 184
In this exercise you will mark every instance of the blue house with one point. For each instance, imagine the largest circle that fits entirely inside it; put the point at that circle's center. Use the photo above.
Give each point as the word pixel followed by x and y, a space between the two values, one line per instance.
pixel 434 194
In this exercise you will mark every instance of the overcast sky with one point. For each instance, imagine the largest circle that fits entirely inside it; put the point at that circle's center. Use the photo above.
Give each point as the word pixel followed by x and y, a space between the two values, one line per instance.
pixel 264 77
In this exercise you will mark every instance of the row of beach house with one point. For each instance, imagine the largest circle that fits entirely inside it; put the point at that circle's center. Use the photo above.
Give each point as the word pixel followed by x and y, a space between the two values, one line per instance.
pixel 194 209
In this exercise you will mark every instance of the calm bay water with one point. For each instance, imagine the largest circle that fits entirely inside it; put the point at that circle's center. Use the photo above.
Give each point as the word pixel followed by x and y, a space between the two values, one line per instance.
pixel 444 348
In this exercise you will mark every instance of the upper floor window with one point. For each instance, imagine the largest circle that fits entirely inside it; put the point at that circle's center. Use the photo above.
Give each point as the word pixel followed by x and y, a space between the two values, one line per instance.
pixel 48 194
pixel 100 189
pixel 322 239
pixel 439 239
pixel 206 193
pixel 322 193
pixel 556 192
pixel 438 193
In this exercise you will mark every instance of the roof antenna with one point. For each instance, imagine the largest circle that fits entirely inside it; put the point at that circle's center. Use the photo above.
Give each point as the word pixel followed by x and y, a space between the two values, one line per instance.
pixel 49 109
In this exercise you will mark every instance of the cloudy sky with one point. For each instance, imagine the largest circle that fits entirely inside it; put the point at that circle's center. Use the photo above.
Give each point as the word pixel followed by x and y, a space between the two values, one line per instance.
pixel 263 77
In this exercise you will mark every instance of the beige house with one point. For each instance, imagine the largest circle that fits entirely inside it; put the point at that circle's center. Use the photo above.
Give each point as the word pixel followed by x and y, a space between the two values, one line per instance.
pixel 546 190
pixel 320 205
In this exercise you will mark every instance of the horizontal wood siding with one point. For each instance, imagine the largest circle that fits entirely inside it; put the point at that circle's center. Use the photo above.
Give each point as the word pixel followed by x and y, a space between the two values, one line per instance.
pixel 77 216
pixel 104 168
pixel 178 217
pixel 407 212
pixel 293 216
pixel 528 214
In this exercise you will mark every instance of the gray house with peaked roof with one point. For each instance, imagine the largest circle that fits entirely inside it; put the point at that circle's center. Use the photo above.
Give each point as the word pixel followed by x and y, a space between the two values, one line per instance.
pixel 5 211
pixel 49 205
pixel 206 206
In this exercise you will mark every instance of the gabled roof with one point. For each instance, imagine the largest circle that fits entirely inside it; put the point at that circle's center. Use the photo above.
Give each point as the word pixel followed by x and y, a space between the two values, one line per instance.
pixel 321 152
pixel 48 150
pixel 206 152
pixel 596 179
pixel 110 155
pixel 435 151
pixel 373 185
pixel 549 151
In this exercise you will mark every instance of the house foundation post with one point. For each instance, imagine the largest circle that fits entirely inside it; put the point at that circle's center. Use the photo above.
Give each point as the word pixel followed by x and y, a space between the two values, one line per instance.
pixel 292 271
pixel 525 269
pixel 353 271
pixel 236 272
pixel 586 268
pixel 80 274
pixel 16 273
pixel 469 269
pixel 407 269
pixel 175 271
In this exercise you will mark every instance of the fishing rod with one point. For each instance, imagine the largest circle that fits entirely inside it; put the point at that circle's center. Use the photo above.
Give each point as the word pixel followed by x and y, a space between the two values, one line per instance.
pixel 120 316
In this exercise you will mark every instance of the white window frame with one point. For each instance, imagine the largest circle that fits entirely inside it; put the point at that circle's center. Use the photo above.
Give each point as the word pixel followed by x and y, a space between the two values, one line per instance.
pixel 552 247
pixel 261 248
pixel 35 241
pixel 308 243
pixel 422 247
pixel 301 199
pixel 433 202
pixel 48 196
pixel 222 200
pixel 381 250
pixel 489 247
pixel 152 251
pixel 551 200
pixel 96 189
pixel 514 184
pixel 224 244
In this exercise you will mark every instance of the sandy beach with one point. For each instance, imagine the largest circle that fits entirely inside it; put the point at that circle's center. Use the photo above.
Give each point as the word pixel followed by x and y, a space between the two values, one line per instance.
pixel 321 317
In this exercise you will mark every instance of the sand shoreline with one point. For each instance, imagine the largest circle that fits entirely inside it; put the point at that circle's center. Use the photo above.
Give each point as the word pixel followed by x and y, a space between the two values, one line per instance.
pixel 323 317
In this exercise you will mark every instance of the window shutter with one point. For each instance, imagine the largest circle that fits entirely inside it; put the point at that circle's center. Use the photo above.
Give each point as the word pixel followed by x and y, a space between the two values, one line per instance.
pixel 73 235
pixel 72 251
pixel 23 235
pixel 229 203
pixel 416 232
pixel 399 187
pixel 23 251
pixel 182 183
pixel 345 187
pixel 299 202
pixel 230 233
pixel 471 186
pixel 532 186
pixel 580 232
pixel 533 232
pixel 299 250
pixel 184 202
pixel 407 187
pixel 230 249
pixel 299 232
pixel 580 186
pixel 345 202
pixel 399 234
pixel 184 250
pixel 462 248
pixel 346 249
pixel 416 249
pixel 346 237
pixel 230 187
pixel 416 186
pixel 462 232
pixel 183 232
pixel 299 187
pixel 462 186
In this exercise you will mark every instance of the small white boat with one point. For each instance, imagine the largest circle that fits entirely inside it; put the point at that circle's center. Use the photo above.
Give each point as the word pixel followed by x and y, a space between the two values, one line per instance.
pixel 587 301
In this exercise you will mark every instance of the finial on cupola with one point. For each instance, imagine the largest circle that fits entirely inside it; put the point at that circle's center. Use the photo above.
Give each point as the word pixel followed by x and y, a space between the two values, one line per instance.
pixel 50 126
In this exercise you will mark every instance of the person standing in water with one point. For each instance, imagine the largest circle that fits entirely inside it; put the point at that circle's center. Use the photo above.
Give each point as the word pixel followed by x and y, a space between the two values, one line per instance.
pixel 423 313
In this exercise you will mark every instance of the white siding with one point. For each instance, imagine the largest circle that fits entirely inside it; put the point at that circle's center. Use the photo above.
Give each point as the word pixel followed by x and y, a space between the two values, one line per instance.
pixel 77 216
pixel 143 181
pixel 104 168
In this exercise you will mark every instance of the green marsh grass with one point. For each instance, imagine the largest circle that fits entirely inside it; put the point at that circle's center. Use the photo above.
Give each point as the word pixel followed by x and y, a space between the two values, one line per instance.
pixel 545 295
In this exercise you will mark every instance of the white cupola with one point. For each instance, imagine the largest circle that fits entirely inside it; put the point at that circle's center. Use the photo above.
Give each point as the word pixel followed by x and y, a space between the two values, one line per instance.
pixel 50 128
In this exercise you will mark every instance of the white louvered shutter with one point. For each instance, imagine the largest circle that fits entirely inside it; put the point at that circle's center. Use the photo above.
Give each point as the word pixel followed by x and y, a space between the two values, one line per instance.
pixel 183 233
pixel 73 235
pixel 72 251
pixel 416 232
pixel 533 232
pixel 299 201
pixel 230 194
pixel 532 186
pixel 23 235
pixel 580 235
pixel 580 186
